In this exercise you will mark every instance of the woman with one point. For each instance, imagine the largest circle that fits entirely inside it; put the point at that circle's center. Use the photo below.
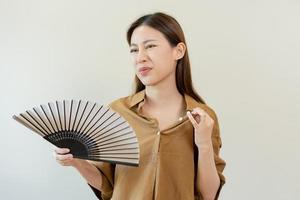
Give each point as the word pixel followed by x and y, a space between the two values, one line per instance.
pixel 177 132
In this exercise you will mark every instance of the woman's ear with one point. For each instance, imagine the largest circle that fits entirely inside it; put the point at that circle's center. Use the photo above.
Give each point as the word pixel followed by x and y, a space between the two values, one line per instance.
pixel 179 50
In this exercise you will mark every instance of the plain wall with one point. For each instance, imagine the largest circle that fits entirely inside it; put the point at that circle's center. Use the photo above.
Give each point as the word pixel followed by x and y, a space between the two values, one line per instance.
pixel 245 64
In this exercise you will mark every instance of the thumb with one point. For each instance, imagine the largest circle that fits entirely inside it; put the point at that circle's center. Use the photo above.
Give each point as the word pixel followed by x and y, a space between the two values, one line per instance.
pixel 191 118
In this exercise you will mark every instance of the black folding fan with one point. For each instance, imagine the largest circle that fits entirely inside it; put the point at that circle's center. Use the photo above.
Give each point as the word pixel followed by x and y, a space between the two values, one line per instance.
pixel 91 131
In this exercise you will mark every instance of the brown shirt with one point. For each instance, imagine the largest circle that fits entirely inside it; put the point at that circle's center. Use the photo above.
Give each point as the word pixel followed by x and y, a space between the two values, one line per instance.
pixel 168 158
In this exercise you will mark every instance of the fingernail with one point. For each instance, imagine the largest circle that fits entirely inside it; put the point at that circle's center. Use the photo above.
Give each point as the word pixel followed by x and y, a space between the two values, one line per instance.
pixel 65 150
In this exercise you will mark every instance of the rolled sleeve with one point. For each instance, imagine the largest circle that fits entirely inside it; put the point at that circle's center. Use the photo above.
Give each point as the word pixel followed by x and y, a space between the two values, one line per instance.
pixel 217 144
pixel 107 173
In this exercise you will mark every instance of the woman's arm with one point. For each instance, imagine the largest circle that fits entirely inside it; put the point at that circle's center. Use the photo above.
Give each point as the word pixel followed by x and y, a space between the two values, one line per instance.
pixel 89 172
pixel 207 139
pixel 98 175
pixel 208 181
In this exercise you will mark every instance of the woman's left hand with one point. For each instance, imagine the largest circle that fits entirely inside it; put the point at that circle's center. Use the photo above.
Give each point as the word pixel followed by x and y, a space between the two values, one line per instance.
pixel 203 126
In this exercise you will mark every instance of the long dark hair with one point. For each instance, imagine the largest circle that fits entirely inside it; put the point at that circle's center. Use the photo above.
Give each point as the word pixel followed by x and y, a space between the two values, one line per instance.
pixel 171 29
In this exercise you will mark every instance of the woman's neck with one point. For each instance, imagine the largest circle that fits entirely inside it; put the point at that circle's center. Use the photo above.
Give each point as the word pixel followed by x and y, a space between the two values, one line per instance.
pixel 159 97
pixel 164 95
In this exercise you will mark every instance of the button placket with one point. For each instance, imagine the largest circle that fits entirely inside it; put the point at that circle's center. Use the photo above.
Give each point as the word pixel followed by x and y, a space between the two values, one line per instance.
pixel 157 143
pixel 158 134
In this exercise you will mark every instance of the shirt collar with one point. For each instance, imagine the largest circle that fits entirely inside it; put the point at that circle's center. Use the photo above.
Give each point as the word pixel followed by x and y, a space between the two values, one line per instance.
pixel 135 99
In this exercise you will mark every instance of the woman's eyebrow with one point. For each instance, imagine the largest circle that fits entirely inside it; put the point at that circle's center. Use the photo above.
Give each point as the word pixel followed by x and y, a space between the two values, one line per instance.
pixel 144 42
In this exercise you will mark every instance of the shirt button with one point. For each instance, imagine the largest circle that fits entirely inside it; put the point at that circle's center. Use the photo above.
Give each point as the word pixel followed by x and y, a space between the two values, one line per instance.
pixel 158 133
pixel 180 118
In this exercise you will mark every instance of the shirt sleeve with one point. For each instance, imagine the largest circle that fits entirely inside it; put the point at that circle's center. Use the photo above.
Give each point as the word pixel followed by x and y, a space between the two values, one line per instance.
pixel 107 172
pixel 217 144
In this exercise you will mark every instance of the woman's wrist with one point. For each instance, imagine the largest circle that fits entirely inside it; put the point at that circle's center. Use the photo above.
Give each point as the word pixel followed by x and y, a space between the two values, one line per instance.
pixel 79 163
pixel 204 145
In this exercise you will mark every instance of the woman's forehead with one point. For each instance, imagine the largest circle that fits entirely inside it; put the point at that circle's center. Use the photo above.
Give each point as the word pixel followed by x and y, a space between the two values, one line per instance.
pixel 144 34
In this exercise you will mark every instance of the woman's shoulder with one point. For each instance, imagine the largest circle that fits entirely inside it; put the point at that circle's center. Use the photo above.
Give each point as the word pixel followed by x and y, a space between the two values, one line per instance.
pixel 192 103
pixel 209 110
pixel 121 103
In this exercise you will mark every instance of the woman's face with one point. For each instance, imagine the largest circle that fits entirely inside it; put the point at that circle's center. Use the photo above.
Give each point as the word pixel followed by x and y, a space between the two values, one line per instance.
pixel 153 57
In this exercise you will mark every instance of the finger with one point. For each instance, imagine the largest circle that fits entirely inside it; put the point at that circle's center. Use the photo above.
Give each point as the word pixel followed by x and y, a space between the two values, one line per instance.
pixel 64 163
pixel 197 117
pixel 203 116
pixel 62 150
pixel 210 121
pixel 199 110
pixel 191 118
pixel 63 157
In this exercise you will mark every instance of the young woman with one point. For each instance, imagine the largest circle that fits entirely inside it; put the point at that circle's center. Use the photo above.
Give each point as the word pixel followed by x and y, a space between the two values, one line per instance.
pixel 177 132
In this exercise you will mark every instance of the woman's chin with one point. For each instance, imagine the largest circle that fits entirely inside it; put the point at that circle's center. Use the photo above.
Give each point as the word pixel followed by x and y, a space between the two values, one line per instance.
pixel 147 81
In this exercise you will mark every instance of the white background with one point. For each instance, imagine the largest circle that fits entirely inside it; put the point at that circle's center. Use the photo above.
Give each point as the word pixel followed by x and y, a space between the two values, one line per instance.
pixel 245 64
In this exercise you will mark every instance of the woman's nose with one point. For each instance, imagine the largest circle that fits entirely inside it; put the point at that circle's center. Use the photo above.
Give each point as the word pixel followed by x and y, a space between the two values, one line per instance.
pixel 141 56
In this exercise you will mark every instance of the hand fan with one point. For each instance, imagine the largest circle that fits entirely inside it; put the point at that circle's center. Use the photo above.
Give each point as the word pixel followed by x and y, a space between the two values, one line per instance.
pixel 91 131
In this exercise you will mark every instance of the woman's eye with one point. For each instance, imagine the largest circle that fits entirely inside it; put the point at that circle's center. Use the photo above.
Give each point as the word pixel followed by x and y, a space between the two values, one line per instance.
pixel 133 50
pixel 150 46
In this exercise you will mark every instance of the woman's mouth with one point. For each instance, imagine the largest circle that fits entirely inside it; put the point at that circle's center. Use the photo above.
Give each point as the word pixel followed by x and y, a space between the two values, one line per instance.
pixel 144 70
